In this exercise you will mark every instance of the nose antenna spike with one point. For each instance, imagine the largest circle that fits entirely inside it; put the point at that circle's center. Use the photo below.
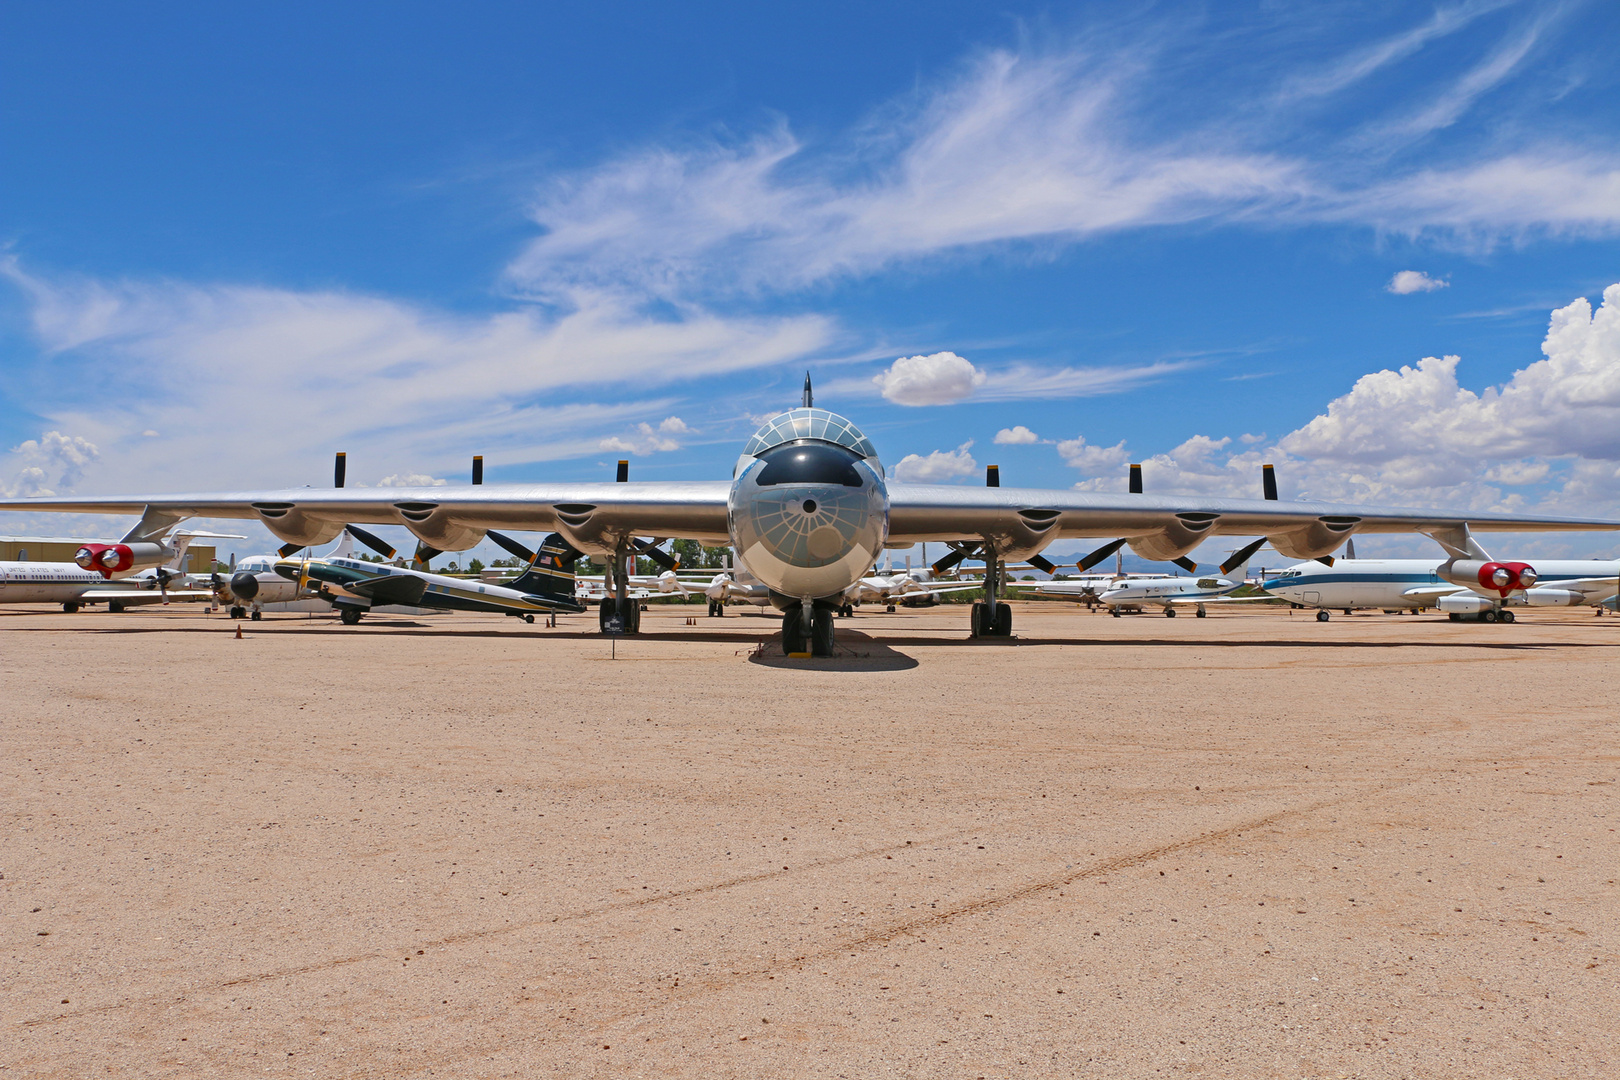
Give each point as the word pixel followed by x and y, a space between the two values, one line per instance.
pixel 809 398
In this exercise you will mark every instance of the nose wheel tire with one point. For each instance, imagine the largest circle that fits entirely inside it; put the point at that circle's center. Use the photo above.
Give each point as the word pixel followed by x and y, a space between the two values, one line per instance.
pixel 256 616
pixel 1114 612
pixel 793 633
pixel 1201 613
pixel 821 632
pixel 1323 616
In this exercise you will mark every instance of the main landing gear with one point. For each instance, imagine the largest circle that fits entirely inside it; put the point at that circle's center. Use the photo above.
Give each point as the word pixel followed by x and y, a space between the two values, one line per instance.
pixel 617 616
pixel 817 639
pixel 350 615
pixel 1323 616
pixel 717 609
pixel 991 618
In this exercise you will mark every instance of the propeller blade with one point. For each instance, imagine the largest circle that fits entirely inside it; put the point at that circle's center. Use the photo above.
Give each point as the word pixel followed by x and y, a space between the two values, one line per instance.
pixel 1136 479
pixel 340 469
pixel 288 550
pixel 1186 564
pixel 478 469
pixel 512 546
pixel 1045 566
pixel 372 541
pixel 1240 557
pixel 956 556
pixel 657 554
pixel 1326 560
pixel 1268 482
pixel 992 476
pixel 623 476
pixel 1098 556
pixel 425 554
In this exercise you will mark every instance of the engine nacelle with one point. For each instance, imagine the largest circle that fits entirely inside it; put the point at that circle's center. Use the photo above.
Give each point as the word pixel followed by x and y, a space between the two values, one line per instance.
pixel 110 559
pixel 1499 577
pixel 1175 539
pixel 1553 598
pixel 1321 537
pixel 295 526
pixel 431 526
pixel 1463 604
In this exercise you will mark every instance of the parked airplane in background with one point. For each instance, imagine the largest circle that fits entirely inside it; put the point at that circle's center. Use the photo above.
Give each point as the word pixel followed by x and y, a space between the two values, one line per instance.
pixel 1476 586
pixel 86 579
pixel 1171 591
pixel 354 586
pixel 253 582
pixel 808 509
pixel 908 586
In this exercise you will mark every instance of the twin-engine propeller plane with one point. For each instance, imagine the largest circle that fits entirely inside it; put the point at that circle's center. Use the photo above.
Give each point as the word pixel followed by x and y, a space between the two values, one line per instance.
pixel 355 586
pixel 808 510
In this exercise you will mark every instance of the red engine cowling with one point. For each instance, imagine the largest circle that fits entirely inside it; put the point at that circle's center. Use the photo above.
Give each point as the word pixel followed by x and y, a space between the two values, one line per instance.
pixel 1504 577
pixel 106 559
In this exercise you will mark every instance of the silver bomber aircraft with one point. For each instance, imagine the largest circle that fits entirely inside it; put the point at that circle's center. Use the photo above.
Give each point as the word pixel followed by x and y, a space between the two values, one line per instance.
pixel 808 510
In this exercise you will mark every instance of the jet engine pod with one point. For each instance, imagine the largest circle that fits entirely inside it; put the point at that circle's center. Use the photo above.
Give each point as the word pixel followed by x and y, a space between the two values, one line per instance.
pixel 430 524
pixel 1463 604
pixel 1176 539
pixel 1500 577
pixel 1553 598
pixel 110 559
pixel 244 586
pixel 295 526
pixel 1321 537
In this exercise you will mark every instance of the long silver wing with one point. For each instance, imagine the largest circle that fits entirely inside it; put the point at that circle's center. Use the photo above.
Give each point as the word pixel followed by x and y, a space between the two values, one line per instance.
pixel 455 517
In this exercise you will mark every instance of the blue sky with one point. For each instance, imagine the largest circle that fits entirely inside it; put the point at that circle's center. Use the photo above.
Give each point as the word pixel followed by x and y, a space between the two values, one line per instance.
pixel 237 241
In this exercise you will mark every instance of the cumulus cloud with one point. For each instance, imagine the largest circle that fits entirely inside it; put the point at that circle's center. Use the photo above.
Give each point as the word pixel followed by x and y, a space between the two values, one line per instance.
pixel 1095 460
pixel 674 425
pixel 937 467
pixel 1018 435
pixel 941 378
pixel 1547 439
pixel 49 464
pixel 1411 281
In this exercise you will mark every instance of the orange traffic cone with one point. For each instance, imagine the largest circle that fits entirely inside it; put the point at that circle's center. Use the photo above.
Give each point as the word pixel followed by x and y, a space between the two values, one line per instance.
pixel 238 631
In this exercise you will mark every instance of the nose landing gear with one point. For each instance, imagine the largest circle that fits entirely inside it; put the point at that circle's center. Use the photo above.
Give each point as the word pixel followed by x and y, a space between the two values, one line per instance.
pixel 817 639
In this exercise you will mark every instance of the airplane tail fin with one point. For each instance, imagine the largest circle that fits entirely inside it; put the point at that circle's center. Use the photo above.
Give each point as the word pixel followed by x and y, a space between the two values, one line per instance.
pixel 344 549
pixel 551 575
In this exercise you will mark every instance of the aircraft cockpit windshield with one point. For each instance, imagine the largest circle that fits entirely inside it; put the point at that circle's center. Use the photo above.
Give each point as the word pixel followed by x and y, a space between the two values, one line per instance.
pixel 818 424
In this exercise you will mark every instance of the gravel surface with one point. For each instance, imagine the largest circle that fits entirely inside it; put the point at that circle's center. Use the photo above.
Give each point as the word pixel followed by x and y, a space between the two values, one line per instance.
pixel 1251 845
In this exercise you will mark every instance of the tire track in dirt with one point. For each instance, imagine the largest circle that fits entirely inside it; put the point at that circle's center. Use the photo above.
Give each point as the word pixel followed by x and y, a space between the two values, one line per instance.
pixel 182 996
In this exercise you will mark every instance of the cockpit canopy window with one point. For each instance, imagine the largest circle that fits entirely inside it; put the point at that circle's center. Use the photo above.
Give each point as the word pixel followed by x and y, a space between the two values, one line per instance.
pixel 819 424
pixel 809 463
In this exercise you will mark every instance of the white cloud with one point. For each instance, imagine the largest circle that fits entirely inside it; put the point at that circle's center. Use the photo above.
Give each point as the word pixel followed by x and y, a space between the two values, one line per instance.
pixel 674 425
pixel 1095 460
pixel 49 464
pixel 1018 435
pixel 1546 440
pixel 1045 147
pixel 408 387
pixel 942 378
pixel 1411 281
pixel 646 440
pixel 937 467
pixel 408 480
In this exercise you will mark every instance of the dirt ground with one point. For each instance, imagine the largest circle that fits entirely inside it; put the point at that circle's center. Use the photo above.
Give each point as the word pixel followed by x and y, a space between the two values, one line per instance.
pixel 1251 845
